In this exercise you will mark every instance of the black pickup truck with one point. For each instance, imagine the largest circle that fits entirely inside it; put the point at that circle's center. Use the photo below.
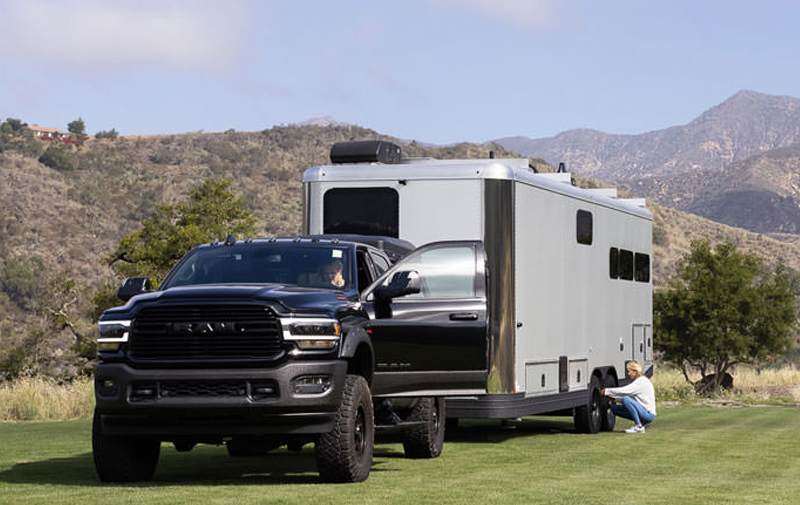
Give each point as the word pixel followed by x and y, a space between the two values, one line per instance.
pixel 263 343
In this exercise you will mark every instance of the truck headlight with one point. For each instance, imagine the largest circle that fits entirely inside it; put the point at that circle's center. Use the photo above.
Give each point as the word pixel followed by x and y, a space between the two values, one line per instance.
pixel 311 334
pixel 112 335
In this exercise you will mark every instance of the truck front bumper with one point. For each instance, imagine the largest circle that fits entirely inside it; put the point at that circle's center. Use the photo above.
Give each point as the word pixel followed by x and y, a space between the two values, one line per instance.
pixel 297 398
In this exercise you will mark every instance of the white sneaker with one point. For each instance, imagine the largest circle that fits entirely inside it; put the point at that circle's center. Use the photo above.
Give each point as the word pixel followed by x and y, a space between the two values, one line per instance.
pixel 635 429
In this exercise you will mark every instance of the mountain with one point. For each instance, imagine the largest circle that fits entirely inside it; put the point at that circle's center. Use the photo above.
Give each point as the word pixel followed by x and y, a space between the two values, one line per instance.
pixel 760 193
pixel 746 124
pixel 322 121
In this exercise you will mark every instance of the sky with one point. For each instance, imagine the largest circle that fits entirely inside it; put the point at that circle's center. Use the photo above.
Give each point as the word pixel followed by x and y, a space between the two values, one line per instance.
pixel 437 71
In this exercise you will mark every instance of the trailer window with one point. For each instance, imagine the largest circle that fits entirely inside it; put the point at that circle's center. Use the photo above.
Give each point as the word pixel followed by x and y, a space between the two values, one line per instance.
pixel 613 263
pixel 584 227
pixel 642 267
pixel 625 265
pixel 365 211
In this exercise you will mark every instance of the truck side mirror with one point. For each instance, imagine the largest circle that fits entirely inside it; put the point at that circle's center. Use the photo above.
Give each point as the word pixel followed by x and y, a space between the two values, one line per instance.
pixel 133 286
pixel 402 283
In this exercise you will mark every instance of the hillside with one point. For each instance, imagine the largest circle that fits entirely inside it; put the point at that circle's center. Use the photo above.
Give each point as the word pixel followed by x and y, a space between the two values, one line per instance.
pixel 59 225
pixel 746 124
pixel 760 194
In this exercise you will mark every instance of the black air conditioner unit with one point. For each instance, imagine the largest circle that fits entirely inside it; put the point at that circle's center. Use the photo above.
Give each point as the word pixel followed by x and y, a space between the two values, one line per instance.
pixel 366 151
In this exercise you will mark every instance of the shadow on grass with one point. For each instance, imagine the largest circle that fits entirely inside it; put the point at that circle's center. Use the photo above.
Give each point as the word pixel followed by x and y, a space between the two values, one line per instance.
pixel 207 466
pixel 493 430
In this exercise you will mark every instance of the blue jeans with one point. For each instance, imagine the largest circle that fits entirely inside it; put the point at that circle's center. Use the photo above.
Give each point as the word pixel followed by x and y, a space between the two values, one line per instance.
pixel 633 410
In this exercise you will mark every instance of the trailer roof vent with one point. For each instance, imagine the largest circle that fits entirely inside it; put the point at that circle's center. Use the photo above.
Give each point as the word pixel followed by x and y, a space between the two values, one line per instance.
pixel 366 151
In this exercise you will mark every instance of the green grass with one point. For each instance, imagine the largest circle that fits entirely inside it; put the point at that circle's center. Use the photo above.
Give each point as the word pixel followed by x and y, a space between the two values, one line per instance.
pixel 690 455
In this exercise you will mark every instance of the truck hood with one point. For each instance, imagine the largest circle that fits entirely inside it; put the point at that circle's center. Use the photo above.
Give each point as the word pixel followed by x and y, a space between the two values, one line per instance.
pixel 289 298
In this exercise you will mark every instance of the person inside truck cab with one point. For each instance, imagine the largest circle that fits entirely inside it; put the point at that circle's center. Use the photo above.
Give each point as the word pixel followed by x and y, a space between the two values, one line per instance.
pixel 331 273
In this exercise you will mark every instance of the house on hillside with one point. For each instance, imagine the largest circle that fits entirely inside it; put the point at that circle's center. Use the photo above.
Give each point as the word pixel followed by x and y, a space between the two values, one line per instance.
pixel 43 133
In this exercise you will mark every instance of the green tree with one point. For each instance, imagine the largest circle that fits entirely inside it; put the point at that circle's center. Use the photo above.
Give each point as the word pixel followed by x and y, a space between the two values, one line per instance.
pixel 77 128
pixel 723 308
pixel 212 212
pixel 111 134
pixel 59 157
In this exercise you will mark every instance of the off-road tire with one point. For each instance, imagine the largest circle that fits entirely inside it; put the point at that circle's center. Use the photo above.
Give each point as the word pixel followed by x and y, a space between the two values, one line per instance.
pixel 345 454
pixel 607 419
pixel 425 441
pixel 123 458
pixel 588 417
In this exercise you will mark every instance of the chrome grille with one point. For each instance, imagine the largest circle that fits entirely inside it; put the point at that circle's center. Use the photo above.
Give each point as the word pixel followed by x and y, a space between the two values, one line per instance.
pixel 205 332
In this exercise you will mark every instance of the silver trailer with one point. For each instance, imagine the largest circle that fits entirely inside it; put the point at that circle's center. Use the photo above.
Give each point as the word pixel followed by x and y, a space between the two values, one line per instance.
pixel 568 294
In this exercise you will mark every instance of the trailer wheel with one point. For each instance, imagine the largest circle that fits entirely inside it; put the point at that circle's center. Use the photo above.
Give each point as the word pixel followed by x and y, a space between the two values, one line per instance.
pixel 119 458
pixel 426 441
pixel 588 417
pixel 608 418
pixel 345 454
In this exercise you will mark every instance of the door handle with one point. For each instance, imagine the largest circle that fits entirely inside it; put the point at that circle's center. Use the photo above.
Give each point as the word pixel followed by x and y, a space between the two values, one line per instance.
pixel 464 316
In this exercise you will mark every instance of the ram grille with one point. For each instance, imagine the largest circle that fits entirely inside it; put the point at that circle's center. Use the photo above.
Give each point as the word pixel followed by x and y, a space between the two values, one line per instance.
pixel 205 332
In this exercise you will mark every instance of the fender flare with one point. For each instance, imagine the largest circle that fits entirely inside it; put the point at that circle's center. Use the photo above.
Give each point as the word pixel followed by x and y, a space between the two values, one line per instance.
pixel 354 337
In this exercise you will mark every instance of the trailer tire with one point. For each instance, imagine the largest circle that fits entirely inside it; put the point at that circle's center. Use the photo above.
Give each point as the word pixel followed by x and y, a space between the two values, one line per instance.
pixel 588 417
pixel 123 458
pixel 608 419
pixel 345 454
pixel 426 441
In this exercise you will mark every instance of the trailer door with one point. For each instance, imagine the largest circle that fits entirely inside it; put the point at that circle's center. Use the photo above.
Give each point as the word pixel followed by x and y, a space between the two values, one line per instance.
pixel 434 341
pixel 639 341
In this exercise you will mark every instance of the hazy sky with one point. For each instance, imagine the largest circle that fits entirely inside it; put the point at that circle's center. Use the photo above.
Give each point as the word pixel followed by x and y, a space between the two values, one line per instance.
pixel 433 70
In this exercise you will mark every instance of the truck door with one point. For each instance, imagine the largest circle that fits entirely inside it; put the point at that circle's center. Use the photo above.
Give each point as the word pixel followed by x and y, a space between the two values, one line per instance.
pixel 432 341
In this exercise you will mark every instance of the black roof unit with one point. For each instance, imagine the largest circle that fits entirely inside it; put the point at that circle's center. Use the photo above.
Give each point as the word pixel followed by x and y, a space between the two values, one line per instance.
pixel 366 151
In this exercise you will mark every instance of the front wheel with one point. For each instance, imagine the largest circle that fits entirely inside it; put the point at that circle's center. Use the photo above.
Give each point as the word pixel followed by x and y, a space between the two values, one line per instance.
pixel 426 440
pixel 123 458
pixel 345 454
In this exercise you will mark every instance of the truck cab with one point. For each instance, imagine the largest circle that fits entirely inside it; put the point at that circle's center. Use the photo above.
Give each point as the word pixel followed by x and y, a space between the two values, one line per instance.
pixel 286 341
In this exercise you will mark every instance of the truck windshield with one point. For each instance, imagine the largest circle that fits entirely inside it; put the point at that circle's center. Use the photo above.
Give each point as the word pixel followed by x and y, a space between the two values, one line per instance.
pixel 311 265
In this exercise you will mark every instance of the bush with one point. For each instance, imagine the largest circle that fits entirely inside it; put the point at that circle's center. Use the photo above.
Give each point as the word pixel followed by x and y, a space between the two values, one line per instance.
pixel 110 135
pixel 41 399
pixel 19 279
pixel 59 157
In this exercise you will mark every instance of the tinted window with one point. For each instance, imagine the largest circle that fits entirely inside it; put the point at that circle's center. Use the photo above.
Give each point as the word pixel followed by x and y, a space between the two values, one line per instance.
pixel 625 265
pixel 642 267
pixel 315 266
pixel 445 272
pixel 613 263
pixel 380 263
pixel 584 227
pixel 366 211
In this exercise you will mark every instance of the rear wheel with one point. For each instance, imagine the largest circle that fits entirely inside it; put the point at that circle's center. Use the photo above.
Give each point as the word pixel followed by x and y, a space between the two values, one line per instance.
pixel 427 440
pixel 608 419
pixel 123 458
pixel 588 417
pixel 345 454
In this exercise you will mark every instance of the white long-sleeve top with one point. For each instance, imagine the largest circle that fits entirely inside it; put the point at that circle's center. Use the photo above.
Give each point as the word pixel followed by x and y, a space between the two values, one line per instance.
pixel 640 390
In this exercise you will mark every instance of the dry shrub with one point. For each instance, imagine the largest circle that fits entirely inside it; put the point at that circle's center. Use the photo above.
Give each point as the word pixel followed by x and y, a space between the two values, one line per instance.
pixel 750 384
pixel 42 399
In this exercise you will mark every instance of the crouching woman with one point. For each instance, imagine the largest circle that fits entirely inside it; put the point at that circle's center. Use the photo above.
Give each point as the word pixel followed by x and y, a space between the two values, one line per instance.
pixel 637 399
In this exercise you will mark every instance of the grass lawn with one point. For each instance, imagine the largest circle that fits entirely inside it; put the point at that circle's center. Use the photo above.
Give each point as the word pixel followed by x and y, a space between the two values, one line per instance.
pixel 690 455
